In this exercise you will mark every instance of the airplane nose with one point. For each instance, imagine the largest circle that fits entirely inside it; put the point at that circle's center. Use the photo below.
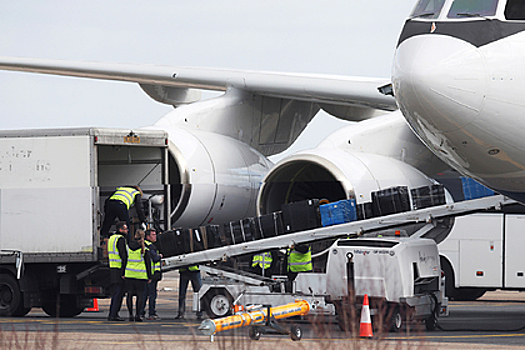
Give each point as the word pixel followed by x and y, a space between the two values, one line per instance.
pixel 439 82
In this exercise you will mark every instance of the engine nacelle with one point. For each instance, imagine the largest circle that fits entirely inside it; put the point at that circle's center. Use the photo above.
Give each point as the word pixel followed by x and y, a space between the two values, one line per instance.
pixel 334 174
pixel 213 178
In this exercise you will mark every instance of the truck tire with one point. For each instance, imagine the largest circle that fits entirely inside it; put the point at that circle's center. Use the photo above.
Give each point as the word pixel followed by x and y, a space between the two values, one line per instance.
pixel 218 303
pixel 395 323
pixel 68 307
pixel 10 296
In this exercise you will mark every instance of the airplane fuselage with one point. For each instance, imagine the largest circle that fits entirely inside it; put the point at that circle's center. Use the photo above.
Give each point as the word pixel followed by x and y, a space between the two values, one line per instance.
pixel 457 77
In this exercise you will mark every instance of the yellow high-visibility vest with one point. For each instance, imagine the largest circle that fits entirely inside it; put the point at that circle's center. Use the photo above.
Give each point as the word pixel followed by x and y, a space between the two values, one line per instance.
pixel 264 260
pixel 115 262
pixel 126 195
pixel 136 267
pixel 299 262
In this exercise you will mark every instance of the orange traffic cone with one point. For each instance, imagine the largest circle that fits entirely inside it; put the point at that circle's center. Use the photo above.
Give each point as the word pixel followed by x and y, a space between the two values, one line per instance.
pixel 365 327
pixel 94 306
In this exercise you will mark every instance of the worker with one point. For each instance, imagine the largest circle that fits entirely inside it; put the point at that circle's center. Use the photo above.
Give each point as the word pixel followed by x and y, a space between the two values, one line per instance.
pixel 137 274
pixel 118 257
pixel 299 260
pixel 262 262
pixel 117 206
pixel 187 274
pixel 150 293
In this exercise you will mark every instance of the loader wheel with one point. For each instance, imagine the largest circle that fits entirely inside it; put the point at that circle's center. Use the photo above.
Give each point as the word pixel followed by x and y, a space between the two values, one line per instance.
pixel 296 333
pixel 254 333
pixel 218 303
pixel 10 296
pixel 396 321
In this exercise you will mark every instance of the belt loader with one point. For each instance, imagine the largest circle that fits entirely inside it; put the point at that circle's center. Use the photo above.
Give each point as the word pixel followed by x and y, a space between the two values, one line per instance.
pixel 402 275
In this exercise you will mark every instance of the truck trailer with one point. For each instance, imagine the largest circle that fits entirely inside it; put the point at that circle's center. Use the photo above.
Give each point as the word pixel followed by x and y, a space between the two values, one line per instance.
pixel 53 184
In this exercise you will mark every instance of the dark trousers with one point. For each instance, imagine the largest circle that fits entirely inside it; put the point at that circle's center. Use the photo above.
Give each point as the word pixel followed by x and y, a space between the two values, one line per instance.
pixel 117 294
pixel 112 210
pixel 149 296
pixel 135 287
pixel 184 279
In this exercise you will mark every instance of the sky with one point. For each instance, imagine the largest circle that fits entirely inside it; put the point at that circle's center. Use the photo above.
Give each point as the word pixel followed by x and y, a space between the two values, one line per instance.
pixel 351 37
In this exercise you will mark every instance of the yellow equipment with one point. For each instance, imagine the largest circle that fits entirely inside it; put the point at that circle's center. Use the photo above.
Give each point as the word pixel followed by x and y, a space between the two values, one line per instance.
pixel 263 316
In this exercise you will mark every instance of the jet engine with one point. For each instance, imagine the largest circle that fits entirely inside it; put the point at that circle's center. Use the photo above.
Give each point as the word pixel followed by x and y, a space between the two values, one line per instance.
pixel 351 163
pixel 213 178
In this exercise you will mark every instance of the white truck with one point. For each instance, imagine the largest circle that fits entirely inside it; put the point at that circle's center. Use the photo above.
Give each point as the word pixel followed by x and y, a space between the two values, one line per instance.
pixel 401 276
pixel 53 184
pixel 484 251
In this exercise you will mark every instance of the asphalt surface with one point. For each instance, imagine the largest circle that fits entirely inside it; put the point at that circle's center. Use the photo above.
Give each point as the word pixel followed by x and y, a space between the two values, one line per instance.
pixel 497 320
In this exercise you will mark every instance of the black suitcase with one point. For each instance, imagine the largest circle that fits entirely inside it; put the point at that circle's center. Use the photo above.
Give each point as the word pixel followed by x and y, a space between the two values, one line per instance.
pixel 391 200
pixel 270 225
pixel 428 196
pixel 166 244
pixel 249 230
pixel 234 230
pixel 171 243
pixel 182 240
pixel 197 239
pixel 300 216
pixel 213 237
pixel 364 211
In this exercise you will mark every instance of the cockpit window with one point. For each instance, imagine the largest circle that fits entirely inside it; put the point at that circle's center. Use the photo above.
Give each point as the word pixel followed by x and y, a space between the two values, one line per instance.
pixel 515 10
pixel 472 8
pixel 428 9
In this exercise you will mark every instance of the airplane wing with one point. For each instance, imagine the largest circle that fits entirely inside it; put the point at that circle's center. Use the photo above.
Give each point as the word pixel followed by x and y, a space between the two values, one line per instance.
pixel 172 84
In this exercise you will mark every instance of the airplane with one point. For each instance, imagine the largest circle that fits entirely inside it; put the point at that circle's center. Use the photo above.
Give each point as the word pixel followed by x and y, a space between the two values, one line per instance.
pixel 219 168
pixel 457 77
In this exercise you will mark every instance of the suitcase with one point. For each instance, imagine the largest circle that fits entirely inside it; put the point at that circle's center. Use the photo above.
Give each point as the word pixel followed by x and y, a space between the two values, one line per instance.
pixel 300 216
pixel 197 239
pixel 249 230
pixel 473 189
pixel 270 225
pixel 364 211
pixel 338 212
pixel 428 196
pixel 234 230
pixel 172 243
pixel 182 240
pixel 213 237
pixel 391 200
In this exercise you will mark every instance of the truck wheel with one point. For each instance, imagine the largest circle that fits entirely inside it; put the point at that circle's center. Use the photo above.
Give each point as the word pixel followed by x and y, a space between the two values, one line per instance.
pixel 254 333
pixel 396 321
pixel 10 295
pixel 68 307
pixel 296 333
pixel 218 303
pixel 430 323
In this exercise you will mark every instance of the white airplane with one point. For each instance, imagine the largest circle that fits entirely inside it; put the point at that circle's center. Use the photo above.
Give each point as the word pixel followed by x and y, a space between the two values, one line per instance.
pixel 457 77
pixel 219 147
pixel 446 83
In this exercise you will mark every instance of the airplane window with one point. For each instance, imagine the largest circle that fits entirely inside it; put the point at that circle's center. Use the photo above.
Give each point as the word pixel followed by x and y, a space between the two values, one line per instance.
pixel 428 9
pixel 472 8
pixel 515 10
